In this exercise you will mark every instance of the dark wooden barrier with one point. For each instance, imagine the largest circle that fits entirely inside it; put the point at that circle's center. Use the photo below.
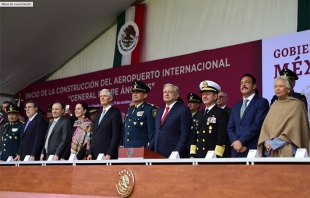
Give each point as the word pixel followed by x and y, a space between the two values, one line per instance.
pixel 206 180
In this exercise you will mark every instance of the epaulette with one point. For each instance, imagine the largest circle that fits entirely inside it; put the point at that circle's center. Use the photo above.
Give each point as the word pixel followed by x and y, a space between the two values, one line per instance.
pixel 22 122
pixel 153 105
pixel 6 124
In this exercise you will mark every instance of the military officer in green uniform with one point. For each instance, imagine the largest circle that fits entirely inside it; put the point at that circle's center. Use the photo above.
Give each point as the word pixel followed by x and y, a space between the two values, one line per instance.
pixel 12 133
pixel 293 77
pixel 139 123
pixel 211 125
pixel 193 102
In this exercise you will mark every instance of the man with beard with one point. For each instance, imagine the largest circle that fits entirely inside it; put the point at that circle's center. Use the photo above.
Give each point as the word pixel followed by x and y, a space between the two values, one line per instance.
pixel 139 125
pixel 246 119
pixel 211 127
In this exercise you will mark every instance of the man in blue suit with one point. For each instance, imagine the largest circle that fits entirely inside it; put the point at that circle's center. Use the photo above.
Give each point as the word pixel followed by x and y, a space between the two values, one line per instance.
pixel 107 129
pixel 33 135
pixel 140 118
pixel 172 125
pixel 246 118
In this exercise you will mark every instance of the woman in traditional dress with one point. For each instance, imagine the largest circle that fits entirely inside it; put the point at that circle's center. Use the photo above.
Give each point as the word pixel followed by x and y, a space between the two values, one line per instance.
pixel 82 132
pixel 285 127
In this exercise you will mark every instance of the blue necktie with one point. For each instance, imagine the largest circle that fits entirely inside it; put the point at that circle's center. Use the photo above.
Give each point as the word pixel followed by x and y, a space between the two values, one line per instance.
pixel 28 122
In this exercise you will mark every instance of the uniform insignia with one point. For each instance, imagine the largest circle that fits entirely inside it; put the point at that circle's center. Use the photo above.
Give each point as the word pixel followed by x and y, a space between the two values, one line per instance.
pixel 154 111
pixel 141 123
pixel 15 137
pixel 10 137
pixel 134 123
pixel 140 113
pixel 211 120
pixel 14 129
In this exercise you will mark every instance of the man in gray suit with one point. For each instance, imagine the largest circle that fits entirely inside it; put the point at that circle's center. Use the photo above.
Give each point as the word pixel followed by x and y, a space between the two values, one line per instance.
pixel 58 134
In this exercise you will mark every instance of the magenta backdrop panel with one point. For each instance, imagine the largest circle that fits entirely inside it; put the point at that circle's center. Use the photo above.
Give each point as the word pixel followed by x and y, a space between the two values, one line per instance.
pixel 224 66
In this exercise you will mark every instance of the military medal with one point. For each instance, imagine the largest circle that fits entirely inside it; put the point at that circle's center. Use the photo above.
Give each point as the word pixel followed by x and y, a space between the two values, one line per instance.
pixel 210 129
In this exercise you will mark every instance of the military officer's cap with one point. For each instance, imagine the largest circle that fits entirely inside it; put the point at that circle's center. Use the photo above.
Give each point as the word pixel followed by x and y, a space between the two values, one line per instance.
pixel 192 97
pixel 49 107
pixel 39 111
pixel 208 85
pixel 179 100
pixel 289 73
pixel 92 110
pixel 140 86
pixel 12 108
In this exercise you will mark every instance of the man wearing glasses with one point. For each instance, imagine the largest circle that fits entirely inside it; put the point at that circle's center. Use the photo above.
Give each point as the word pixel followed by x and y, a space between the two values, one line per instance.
pixel 33 134
pixel 221 102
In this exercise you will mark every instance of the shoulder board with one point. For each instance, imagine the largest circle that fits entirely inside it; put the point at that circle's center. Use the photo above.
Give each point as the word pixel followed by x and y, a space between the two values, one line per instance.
pixel 6 124
pixel 22 122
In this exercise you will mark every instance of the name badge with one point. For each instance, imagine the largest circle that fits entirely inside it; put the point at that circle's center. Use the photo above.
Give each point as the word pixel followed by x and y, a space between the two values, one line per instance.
pixel 140 113
pixel 14 129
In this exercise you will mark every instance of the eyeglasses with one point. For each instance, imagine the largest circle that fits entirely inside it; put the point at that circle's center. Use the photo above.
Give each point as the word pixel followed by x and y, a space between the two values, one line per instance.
pixel 29 107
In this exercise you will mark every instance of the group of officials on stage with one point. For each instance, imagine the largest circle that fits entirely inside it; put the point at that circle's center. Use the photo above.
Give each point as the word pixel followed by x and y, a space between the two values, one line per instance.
pixel 173 127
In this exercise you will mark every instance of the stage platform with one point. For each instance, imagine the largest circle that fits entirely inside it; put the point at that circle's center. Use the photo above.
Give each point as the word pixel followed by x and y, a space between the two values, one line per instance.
pixel 257 177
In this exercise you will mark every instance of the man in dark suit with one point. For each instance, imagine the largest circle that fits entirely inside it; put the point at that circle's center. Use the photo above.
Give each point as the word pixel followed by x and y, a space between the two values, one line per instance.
pixel 58 135
pixel 107 129
pixel 293 77
pixel 140 118
pixel 33 134
pixel 211 132
pixel 222 101
pixel 172 125
pixel 246 119
pixel 193 102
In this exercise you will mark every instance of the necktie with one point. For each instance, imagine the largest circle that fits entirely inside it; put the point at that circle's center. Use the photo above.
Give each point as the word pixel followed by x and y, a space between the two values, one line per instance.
pixel 206 111
pixel 27 125
pixel 102 115
pixel 244 105
pixel 49 134
pixel 165 115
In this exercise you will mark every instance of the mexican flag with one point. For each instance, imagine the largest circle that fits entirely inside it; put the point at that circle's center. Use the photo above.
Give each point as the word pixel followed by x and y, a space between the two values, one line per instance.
pixel 129 36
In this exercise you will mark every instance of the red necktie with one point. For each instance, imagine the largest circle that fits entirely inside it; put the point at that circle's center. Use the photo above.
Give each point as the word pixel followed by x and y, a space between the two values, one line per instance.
pixel 163 118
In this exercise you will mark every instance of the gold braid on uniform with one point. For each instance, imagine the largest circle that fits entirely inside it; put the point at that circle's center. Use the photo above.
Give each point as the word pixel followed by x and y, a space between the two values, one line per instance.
pixel 219 150
pixel 193 149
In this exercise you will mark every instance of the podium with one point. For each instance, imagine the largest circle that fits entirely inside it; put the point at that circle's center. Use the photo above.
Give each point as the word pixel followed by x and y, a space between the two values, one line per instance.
pixel 137 153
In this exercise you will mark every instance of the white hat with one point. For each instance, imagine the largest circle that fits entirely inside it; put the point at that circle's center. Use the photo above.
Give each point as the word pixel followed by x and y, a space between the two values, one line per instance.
pixel 208 85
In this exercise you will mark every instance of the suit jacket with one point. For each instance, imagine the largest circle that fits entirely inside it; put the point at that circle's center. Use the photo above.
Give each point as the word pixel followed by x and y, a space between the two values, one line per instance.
pixel 32 139
pixel 211 131
pixel 228 110
pixel 173 134
pixel 247 129
pixel 139 125
pixel 107 134
pixel 59 138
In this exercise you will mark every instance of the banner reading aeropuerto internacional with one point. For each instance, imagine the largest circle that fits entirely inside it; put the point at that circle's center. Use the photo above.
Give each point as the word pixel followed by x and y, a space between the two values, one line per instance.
pixel 289 51
pixel 224 66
